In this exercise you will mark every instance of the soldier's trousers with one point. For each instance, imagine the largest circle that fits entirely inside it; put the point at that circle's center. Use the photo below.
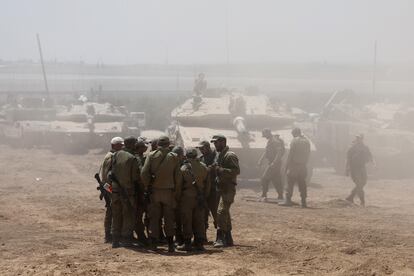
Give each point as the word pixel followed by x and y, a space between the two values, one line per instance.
pixel 140 227
pixel 296 175
pixel 359 177
pixel 226 198
pixel 192 218
pixel 212 204
pixel 178 224
pixel 162 206
pixel 123 214
pixel 108 220
pixel 272 174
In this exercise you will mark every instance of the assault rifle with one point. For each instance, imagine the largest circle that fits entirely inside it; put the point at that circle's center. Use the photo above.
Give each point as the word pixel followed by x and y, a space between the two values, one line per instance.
pixel 104 193
pixel 201 200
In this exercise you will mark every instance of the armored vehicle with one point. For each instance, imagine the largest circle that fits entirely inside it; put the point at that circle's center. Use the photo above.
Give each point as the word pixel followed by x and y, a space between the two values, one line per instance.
pixel 25 121
pixel 391 144
pixel 240 117
pixel 92 125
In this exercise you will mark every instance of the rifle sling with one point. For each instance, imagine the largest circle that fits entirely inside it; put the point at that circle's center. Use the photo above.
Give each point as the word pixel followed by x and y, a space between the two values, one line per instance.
pixel 122 191
pixel 157 170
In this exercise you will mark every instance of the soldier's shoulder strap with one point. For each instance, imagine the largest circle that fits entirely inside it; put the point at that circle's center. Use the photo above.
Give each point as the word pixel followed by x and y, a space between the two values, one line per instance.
pixel 161 162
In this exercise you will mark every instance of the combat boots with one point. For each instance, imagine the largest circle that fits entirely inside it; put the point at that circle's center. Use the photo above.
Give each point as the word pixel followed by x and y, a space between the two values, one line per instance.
pixel 186 246
pixel 127 241
pixel 303 203
pixel 153 244
pixel 229 239
pixel 350 199
pixel 108 237
pixel 287 203
pixel 142 239
pixel 179 240
pixel 171 247
pixel 220 241
pixel 198 244
pixel 115 242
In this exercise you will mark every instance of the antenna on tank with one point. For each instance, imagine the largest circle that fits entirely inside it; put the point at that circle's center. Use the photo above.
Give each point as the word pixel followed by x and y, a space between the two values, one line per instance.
pixel 226 23
pixel 43 64
pixel 227 32
pixel 374 69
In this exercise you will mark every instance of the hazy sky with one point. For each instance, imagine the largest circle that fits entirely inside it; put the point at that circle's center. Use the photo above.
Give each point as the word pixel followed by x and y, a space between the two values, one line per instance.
pixel 193 31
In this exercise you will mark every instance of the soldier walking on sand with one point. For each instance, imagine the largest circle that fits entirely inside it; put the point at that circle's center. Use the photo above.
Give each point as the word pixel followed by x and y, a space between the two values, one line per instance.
pixel 117 143
pixel 357 157
pixel 274 152
pixel 161 176
pixel 296 167
pixel 227 168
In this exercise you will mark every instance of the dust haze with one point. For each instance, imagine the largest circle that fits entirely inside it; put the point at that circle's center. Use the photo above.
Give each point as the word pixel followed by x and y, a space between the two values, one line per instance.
pixel 75 74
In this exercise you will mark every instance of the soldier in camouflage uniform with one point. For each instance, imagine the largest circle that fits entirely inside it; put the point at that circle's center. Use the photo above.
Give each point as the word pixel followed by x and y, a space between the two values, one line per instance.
pixel 195 188
pixel 208 158
pixel 142 217
pixel 274 152
pixel 161 176
pixel 125 177
pixel 117 143
pixel 179 239
pixel 227 168
pixel 296 166
pixel 357 157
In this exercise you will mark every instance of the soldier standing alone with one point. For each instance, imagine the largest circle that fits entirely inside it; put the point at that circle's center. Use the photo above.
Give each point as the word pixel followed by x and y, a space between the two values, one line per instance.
pixel 227 170
pixel 274 152
pixel 296 167
pixel 357 157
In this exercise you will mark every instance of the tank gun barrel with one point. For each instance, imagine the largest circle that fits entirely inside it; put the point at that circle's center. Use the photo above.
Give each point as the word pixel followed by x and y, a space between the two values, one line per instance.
pixel 239 125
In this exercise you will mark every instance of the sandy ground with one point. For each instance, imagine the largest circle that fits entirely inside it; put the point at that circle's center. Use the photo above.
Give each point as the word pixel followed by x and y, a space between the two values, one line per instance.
pixel 51 223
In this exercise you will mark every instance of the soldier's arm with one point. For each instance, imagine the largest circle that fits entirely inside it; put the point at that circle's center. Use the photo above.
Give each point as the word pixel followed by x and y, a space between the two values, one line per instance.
pixel 369 156
pixel 178 180
pixel 279 154
pixel 260 162
pixel 207 184
pixel 348 161
pixel 291 151
pixel 146 173
pixel 232 166
pixel 105 169
pixel 136 174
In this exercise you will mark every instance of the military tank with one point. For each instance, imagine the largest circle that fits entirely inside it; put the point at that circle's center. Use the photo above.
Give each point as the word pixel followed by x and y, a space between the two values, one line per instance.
pixel 91 125
pixel 239 116
pixel 26 121
pixel 391 143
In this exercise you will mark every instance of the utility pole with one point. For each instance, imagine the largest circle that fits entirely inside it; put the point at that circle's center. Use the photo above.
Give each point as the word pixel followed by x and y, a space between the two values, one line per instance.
pixel 43 64
pixel 374 69
pixel 226 23
pixel 227 32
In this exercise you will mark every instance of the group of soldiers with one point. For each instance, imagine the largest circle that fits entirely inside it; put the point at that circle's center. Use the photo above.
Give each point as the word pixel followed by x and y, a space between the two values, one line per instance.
pixel 168 194
pixel 296 167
